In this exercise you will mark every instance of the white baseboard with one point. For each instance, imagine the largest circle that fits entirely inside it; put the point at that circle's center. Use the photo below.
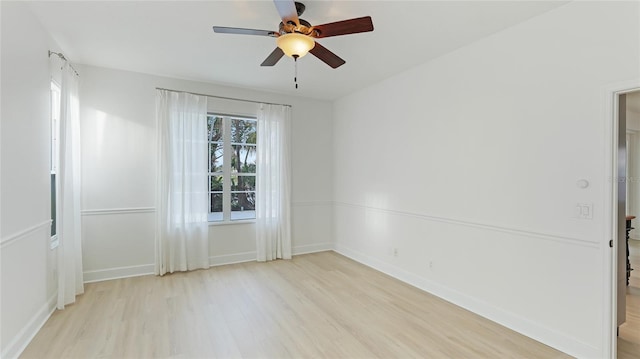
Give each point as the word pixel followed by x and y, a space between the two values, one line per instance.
pixel 29 331
pixel 251 256
pixel 312 248
pixel 147 269
pixel 118 272
pixel 215 261
pixel 548 336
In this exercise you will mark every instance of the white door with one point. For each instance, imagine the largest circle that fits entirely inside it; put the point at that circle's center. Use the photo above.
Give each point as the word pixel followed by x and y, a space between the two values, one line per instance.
pixel 622 198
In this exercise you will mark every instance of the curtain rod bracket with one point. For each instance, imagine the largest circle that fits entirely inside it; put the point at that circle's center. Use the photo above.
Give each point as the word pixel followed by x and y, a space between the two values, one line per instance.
pixel 63 58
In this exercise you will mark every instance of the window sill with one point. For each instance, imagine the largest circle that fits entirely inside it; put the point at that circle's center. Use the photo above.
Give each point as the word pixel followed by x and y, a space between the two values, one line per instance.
pixel 53 244
pixel 243 221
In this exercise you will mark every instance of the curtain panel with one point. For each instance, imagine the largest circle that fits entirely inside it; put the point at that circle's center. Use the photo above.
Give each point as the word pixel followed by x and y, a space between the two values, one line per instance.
pixel 273 183
pixel 182 239
pixel 70 278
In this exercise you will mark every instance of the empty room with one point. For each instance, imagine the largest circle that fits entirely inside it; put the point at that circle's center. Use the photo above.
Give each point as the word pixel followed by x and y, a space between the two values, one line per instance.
pixel 319 179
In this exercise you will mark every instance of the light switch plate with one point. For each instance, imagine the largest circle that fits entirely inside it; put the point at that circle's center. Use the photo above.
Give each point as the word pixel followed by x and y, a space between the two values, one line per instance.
pixel 584 210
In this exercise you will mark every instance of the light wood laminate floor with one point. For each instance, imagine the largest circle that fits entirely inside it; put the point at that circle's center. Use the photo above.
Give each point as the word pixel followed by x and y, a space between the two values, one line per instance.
pixel 320 305
pixel 629 337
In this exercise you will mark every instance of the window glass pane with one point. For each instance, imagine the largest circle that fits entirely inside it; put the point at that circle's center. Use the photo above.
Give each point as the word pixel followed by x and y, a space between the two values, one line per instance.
pixel 232 172
pixel 244 159
pixel 243 183
pixel 215 183
pixel 243 201
pixel 243 131
pixel 243 205
pixel 216 203
pixel 216 161
pixel 214 128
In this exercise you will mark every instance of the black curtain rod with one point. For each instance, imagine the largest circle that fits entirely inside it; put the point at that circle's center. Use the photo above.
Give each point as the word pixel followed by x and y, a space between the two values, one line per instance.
pixel 225 98
pixel 61 56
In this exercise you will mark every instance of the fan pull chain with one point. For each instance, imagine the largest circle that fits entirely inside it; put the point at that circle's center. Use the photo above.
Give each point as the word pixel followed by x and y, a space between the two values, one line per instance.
pixel 295 74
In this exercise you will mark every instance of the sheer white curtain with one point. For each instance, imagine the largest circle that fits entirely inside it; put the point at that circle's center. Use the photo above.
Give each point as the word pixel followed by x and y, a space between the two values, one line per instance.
pixel 70 281
pixel 182 240
pixel 273 183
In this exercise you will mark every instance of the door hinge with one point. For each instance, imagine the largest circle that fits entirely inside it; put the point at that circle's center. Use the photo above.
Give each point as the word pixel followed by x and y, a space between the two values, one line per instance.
pixel 611 243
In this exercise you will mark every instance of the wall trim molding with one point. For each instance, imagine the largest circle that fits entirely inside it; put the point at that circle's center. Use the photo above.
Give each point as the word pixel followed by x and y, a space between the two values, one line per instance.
pixel 24 233
pixel 111 211
pixel 31 329
pixel 479 225
pixel 100 275
pixel 545 335
pixel 128 210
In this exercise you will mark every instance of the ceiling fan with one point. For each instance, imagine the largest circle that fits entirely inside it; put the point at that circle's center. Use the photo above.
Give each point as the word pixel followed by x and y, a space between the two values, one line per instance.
pixel 296 37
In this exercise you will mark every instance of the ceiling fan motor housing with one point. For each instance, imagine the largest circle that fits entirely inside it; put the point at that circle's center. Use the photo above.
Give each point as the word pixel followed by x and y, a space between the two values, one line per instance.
pixel 304 28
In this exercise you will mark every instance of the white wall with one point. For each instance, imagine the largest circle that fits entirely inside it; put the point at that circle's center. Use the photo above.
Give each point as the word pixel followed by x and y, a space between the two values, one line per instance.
pixel 633 121
pixel 468 166
pixel 27 270
pixel 118 157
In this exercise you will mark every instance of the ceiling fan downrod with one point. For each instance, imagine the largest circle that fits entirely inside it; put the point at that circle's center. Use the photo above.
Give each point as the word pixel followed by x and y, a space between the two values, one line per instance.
pixel 295 71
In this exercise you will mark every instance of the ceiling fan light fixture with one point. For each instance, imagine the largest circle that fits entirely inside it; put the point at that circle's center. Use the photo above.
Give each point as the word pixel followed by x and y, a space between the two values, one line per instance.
pixel 295 44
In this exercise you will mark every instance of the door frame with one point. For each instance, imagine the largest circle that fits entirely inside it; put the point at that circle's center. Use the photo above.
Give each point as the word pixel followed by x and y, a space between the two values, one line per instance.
pixel 610 259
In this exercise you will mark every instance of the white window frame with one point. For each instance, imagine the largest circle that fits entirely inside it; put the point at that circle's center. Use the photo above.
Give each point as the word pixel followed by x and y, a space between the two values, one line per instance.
pixel 55 159
pixel 226 171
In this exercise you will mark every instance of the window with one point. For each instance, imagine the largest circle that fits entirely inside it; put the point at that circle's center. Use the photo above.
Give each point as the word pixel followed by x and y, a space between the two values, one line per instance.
pixel 55 129
pixel 232 168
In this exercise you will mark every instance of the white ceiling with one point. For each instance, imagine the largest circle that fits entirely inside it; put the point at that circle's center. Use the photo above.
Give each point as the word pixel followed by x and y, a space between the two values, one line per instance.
pixel 174 38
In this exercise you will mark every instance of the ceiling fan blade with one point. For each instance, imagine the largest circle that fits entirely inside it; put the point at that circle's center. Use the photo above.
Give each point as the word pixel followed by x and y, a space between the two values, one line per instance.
pixel 273 58
pixel 327 56
pixel 239 31
pixel 287 11
pixel 345 27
